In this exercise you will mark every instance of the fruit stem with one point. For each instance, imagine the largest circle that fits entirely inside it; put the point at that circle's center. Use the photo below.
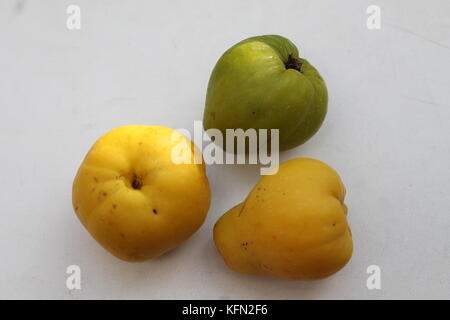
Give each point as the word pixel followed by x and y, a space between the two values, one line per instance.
pixel 293 63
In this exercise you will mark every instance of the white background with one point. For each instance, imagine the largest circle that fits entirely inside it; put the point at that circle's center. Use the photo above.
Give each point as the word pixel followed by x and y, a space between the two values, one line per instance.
pixel 148 62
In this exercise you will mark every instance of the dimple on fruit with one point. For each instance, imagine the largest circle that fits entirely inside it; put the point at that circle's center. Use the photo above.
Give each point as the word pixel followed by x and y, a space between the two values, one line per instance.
pixel 133 198
pixel 262 83
pixel 292 225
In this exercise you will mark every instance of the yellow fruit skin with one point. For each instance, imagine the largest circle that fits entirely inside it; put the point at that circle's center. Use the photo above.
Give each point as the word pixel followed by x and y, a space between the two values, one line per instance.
pixel 293 225
pixel 136 224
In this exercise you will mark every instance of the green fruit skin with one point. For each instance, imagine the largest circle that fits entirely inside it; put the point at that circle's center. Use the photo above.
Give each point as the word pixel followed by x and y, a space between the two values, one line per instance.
pixel 250 87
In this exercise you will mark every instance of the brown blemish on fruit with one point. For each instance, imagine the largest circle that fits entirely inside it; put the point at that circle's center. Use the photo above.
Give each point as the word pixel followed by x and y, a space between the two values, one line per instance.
pixel 122 235
pixel 266 267
pixel 114 206
pixel 242 209
pixel 155 211
pixel 104 194
pixel 244 245
pixel 76 208
pixel 95 179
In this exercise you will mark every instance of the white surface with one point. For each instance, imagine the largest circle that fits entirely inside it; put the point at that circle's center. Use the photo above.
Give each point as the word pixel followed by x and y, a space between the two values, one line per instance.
pixel 148 62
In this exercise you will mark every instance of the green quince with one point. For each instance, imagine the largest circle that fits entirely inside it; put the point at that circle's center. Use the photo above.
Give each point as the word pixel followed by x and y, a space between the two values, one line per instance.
pixel 262 83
